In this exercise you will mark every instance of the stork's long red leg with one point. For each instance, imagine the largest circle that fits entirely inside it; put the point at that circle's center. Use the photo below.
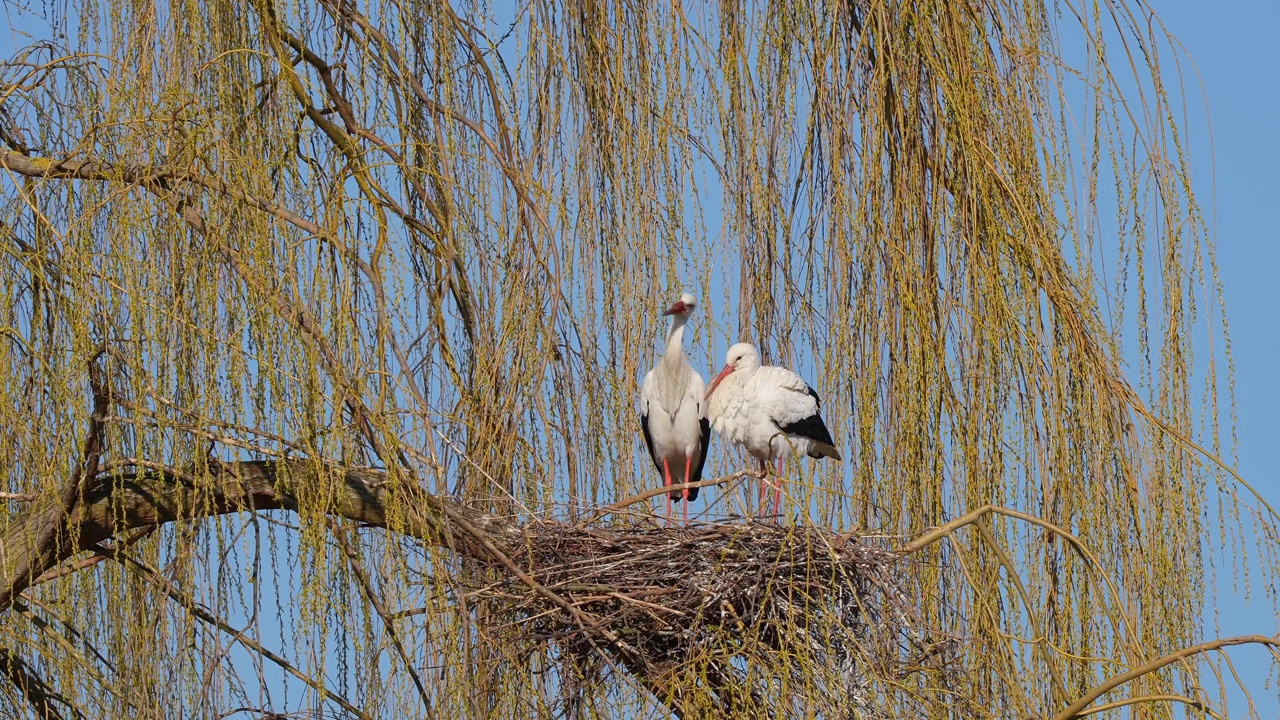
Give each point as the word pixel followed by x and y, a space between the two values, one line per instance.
pixel 666 482
pixel 688 473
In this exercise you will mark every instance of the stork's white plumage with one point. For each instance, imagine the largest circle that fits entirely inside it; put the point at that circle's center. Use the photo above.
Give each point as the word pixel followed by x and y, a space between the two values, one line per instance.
pixel 672 411
pixel 770 411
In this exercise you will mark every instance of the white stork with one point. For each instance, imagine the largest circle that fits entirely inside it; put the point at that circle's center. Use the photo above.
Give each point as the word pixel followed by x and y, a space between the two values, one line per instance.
pixel 768 410
pixel 672 411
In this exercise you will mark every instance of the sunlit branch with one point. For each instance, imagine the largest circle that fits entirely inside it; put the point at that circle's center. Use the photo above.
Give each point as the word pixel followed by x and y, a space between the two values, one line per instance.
pixel 1075 708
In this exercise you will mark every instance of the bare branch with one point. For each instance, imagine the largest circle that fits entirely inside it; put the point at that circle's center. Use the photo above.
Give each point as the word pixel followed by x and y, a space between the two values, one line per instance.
pixel 116 504
pixel 18 497
pixel 1075 709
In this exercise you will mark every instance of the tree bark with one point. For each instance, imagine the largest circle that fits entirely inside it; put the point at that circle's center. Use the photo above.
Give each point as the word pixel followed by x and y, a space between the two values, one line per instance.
pixel 116 504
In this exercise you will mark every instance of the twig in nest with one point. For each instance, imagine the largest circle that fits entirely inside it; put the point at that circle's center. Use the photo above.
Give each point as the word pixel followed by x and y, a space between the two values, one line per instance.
pixel 641 497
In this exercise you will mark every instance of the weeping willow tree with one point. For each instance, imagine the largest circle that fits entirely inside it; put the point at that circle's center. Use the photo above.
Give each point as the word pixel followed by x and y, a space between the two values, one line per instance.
pixel 323 324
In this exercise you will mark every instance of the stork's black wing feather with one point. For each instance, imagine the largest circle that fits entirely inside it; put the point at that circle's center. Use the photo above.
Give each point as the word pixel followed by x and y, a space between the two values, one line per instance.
pixel 705 425
pixel 810 427
pixel 648 441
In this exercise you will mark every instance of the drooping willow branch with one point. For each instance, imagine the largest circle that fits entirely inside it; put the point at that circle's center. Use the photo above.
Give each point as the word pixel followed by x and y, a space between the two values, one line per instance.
pixel 153 577
pixel 37 692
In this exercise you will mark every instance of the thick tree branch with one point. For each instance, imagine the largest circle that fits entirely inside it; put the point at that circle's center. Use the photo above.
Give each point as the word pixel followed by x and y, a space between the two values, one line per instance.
pixel 116 504
pixel 25 567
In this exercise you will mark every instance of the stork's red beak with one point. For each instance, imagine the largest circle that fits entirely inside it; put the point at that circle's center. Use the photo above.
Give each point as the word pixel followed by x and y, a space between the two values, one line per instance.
pixel 678 309
pixel 723 374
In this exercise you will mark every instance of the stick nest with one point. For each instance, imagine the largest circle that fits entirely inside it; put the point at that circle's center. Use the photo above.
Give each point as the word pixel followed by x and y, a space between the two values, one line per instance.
pixel 803 603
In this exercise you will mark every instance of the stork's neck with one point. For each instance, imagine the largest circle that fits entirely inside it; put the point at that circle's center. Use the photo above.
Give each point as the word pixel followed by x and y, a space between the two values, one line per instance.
pixel 675 342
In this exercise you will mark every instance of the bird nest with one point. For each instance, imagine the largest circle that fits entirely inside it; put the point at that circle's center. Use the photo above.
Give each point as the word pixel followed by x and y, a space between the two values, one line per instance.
pixel 743 606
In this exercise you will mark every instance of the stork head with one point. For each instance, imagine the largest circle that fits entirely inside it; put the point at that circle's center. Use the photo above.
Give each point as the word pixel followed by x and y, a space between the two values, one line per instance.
pixel 683 306
pixel 741 357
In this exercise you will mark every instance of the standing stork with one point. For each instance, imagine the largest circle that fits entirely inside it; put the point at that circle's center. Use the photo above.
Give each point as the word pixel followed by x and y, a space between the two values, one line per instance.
pixel 672 411
pixel 770 411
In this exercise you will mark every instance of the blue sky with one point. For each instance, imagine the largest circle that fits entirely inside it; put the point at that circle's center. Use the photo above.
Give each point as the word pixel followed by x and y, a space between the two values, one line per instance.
pixel 1232 46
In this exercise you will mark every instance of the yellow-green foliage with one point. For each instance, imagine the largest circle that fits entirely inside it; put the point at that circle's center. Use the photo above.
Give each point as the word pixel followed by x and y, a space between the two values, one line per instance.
pixel 437 239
